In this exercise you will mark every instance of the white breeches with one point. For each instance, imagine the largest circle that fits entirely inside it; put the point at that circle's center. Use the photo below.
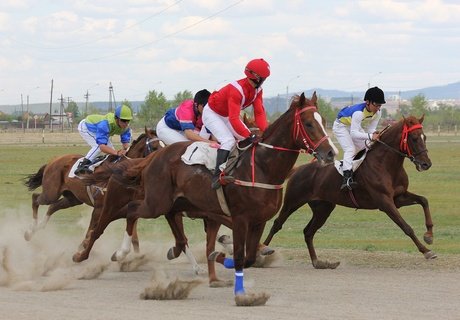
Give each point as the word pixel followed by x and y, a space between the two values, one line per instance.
pixel 221 128
pixel 170 136
pixel 349 145
pixel 90 138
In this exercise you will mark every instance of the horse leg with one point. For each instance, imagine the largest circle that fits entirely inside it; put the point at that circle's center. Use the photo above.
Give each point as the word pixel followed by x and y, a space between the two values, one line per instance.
pixel 252 244
pixel 321 212
pixel 68 201
pixel 290 205
pixel 135 239
pixel 387 205
pixel 211 228
pixel 407 199
pixel 176 224
pixel 107 215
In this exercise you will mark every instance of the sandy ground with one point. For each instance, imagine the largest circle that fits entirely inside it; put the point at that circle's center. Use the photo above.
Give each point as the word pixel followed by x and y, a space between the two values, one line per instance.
pixel 38 280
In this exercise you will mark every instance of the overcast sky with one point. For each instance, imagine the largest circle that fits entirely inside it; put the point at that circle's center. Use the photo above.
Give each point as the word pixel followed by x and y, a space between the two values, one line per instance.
pixel 176 45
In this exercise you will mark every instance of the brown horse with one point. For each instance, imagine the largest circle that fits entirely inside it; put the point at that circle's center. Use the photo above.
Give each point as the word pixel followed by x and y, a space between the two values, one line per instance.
pixel 119 195
pixel 382 184
pixel 170 186
pixel 59 191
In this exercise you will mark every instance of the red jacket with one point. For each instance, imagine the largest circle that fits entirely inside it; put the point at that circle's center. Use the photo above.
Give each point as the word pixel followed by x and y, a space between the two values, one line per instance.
pixel 229 101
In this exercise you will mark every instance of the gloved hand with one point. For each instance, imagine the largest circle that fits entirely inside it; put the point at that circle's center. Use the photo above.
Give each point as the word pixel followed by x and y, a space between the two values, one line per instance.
pixel 252 139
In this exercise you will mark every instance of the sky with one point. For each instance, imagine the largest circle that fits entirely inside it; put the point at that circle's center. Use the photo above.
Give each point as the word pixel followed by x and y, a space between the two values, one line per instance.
pixel 176 45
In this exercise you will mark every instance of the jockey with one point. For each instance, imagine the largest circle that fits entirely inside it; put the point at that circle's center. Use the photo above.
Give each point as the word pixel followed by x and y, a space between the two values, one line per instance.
pixel 184 123
pixel 349 131
pixel 97 129
pixel 222 113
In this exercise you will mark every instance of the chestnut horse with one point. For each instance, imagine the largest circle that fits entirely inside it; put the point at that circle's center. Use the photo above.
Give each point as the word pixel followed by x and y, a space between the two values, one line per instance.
pixel 59 191
pixel 170 186
pixel 382 184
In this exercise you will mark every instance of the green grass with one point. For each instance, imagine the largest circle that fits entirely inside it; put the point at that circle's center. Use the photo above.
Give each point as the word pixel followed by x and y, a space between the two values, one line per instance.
pixel 369 230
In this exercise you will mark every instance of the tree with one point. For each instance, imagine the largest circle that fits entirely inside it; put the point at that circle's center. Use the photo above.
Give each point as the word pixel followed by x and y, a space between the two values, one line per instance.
pixel 72 107
pixel 181 96
pixel 327 111
pixel 419 105
pixel 153 108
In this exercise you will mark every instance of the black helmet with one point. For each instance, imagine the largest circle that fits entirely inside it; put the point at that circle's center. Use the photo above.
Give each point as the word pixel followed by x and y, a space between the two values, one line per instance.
pixel 201 97
pixel 375 94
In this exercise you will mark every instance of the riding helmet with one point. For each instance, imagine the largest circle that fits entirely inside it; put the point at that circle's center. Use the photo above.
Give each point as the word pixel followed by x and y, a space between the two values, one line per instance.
pixel 375 94
pixel 123 112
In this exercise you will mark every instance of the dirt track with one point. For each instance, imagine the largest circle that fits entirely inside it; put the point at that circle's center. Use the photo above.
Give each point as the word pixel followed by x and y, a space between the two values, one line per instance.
pixel 39 281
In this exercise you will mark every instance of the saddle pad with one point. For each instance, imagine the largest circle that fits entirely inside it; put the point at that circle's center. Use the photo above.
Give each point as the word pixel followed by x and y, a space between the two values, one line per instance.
pixel 200 153
pixel 91 167
pixel 355 164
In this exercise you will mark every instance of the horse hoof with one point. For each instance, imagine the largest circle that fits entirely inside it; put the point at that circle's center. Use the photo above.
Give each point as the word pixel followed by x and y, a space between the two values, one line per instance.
pixel 428 239
pixel 171 255
pixel 78 257
pixel 213 256
pixel 266 250
pixel 28 235
pixel 225 239
pixel 430 255
pixel 221 283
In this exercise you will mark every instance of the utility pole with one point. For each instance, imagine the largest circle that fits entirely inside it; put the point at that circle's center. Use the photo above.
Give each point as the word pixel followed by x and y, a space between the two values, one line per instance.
pixel 111 95
pixel 51 107
pixel 86 102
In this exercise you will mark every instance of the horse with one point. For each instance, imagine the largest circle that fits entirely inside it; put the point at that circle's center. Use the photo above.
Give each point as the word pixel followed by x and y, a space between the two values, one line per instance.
pixel 59 191
pixel 382 184
pixel 171 186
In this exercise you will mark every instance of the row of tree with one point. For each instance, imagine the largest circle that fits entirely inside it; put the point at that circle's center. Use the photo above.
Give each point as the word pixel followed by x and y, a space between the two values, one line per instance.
pixel 156 104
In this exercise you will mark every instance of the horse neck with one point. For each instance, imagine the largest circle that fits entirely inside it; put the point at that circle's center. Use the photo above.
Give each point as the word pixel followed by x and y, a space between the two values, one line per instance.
pixel 385 155
pixel 137 149
pixel 279 135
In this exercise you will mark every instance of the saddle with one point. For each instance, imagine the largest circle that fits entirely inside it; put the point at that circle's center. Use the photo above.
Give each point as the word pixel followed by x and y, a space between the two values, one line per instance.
pixel 202 153
pixel 357 160
pixel 96 163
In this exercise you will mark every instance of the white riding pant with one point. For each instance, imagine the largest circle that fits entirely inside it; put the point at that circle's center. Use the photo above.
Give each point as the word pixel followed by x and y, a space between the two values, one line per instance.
pixel 170 136
pixel 90 138
pixel 221 128
pixel 349 145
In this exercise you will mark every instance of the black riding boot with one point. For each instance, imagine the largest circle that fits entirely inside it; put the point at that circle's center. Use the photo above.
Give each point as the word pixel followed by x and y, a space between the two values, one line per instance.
pixel 83 167
pixel 348 181
pixel 222 156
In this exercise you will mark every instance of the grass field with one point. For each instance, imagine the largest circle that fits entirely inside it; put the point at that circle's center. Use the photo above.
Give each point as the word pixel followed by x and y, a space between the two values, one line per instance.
pixel 346 228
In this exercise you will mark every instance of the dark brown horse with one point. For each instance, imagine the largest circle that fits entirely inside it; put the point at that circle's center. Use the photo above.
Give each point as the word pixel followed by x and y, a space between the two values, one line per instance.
pixel 59 191
pixel 170 186
pixel 382 184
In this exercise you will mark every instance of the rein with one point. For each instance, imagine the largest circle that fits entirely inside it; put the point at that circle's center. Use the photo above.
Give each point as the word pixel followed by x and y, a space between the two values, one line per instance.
pixel 404 149
pixel 298 130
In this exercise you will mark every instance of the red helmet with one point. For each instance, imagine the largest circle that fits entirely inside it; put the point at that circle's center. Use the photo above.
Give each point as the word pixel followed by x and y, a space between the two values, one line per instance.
pixel 257 68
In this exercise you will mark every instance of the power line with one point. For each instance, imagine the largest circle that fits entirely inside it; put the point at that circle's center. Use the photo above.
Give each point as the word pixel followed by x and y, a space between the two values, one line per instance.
pixel 169 35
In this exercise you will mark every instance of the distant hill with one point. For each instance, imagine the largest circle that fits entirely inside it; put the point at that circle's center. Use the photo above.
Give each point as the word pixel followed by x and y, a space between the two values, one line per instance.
pixel 279 102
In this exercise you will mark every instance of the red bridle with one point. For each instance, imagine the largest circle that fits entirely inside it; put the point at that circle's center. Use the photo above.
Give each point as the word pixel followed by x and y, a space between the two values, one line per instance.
pixel 403 145
pixel 300 130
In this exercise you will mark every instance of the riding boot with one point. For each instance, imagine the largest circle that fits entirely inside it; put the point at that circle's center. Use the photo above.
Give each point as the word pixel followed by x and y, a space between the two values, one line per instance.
pixel 222 156
pixel 83 167
pixel 348 181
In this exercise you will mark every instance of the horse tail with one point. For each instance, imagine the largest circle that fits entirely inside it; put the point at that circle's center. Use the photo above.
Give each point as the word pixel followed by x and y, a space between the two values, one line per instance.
pixel 33 181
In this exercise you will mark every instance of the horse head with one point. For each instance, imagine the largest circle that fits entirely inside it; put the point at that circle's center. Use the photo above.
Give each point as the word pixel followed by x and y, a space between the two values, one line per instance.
pixel 413 142
pixel 407 139
pixel 309 131
pixel 145 144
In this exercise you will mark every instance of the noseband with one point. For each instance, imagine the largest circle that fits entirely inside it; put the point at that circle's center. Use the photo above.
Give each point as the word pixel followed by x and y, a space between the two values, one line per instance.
pixel 404 148
pixel 300 130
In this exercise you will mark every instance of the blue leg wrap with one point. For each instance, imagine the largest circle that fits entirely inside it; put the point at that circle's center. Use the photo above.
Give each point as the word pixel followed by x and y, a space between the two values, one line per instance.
pixel 229 263
pixel 239 283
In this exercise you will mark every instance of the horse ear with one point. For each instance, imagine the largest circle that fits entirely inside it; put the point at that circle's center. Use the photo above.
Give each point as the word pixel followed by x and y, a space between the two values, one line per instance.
pixel 422 118
pixel 314 98
pixel 302 99
pixel 146 130
pixel 245 119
